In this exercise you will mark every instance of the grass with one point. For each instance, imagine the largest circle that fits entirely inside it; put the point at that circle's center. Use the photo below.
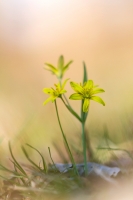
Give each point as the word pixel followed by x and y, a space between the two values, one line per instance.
pixel 31 180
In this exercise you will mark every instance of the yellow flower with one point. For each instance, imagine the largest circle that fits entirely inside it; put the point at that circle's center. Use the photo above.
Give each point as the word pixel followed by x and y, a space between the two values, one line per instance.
pixel 61 68
pixel 55 93
pixel 86 93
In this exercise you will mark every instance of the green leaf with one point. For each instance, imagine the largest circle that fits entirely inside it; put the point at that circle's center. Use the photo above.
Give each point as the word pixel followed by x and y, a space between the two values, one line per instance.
pixel 73 112
pixel 85 78
pixel 97 99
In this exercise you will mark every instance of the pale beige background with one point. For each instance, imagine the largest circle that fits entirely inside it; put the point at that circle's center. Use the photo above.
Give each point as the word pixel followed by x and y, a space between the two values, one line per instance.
pixel 34 32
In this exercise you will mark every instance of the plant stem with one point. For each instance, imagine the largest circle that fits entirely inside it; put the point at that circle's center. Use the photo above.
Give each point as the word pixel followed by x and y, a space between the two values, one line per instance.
pixel 66 143
pixel 64 94
pixel 84 146
pixel 72 111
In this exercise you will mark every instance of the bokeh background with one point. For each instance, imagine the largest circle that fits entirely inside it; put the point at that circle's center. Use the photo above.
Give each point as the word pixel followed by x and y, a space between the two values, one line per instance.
pixel 33 32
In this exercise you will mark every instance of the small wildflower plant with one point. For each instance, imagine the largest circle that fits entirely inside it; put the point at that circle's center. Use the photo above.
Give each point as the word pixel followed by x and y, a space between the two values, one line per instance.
pixel 84 92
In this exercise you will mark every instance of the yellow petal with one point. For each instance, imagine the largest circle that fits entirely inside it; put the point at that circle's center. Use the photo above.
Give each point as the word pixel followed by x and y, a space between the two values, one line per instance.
pixel 76 96
pixel 78 88
pixel 65 83
pixel 86 105
pixel 96 91
pixel 47 90
pixel 48 100
pixel 97 99
pixel 88 84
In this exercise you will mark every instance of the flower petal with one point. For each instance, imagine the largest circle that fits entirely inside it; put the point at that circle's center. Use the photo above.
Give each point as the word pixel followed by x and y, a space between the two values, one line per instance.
pixel 63 91
pixel 76 96
pixel 95 86
pixel 86 105
pixel 63 85
pixel 60 63
pixel 97 99
pixel 48 90
pixel 58 86
pixel 96 91
pixel 66 66
pixel 78 88
pixel 52 68
pixel 88 84
pixel 51 98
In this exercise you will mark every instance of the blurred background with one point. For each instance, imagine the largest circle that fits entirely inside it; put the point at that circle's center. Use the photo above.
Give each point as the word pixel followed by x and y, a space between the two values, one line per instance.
pixel 33 32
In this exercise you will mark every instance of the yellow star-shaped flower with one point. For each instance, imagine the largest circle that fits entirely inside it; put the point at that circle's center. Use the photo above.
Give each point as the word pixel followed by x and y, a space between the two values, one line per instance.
pixel 55 93
pixel 86 92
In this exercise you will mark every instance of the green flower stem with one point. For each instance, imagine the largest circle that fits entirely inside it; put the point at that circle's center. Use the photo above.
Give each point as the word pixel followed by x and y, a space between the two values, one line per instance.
pixel 65 140
pixel 84 117
pixel 71 110
pixel 66 100
pixel 84 148
pixel 64 94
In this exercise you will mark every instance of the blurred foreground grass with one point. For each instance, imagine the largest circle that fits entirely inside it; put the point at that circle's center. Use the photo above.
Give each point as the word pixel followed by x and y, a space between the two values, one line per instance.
pixel 56 185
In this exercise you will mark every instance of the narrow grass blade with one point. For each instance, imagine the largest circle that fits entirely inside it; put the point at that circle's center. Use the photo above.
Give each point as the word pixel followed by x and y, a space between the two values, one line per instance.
pixel 15 161
pixel 43 161
pixel 15 173
pixel 4 178
pixel 113 149
pixel 5 169
pixel 31 161
pixel 52 159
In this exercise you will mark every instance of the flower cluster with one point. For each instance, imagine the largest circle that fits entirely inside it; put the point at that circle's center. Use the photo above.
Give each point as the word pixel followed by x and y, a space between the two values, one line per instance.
pixel 84 92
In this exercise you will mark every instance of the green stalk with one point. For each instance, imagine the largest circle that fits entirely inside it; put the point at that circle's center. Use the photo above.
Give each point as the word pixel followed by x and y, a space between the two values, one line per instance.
pixel 64 94
pixel 84 117
pixel 72 111
pixel 84 148
pixel 68 106
pixel 66 143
